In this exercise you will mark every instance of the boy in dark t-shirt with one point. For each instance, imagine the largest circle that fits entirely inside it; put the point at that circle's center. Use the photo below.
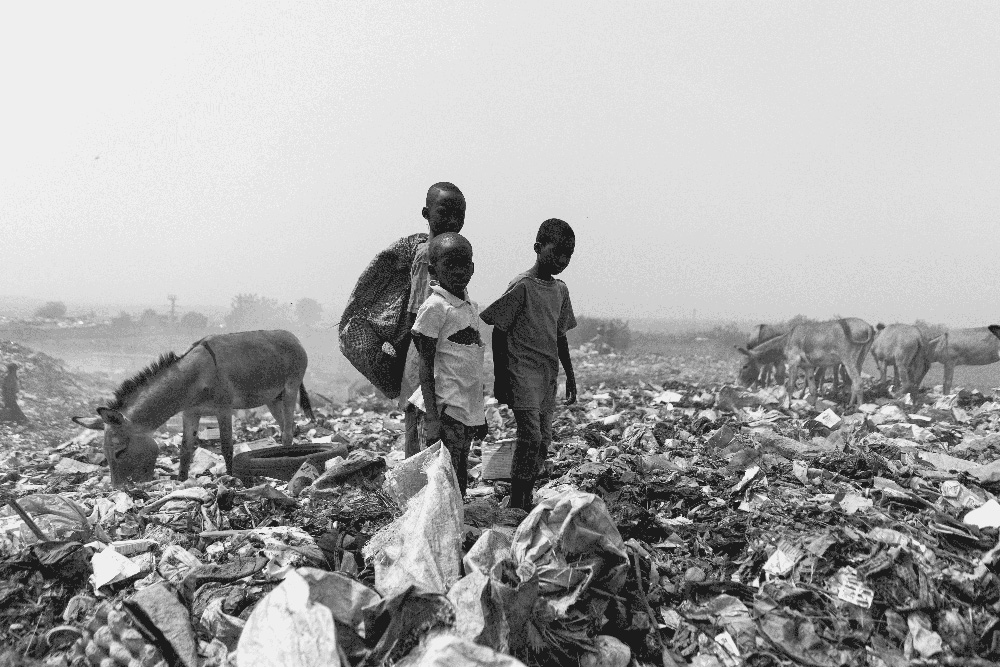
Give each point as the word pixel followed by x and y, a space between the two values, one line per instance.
pixel 530 323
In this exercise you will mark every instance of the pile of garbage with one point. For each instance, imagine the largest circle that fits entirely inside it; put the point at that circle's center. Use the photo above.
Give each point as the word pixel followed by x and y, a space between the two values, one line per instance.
pixel 678 524
pixel 703 367
pixel 49 395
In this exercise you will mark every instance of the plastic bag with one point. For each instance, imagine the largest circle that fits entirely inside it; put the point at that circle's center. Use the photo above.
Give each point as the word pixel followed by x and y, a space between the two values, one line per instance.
pixel 407 478
pixel 445 650
pixel 579 559
pixel 401 622
pixel 59 518
pixel 424 546
pixel 477 617
pixel 312 618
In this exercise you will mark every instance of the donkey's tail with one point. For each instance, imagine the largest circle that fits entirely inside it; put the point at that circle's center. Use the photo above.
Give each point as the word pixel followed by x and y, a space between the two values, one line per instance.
pixel 304 402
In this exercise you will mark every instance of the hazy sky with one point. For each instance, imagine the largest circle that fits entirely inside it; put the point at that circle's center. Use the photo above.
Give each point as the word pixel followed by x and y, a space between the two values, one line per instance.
pixel 754 160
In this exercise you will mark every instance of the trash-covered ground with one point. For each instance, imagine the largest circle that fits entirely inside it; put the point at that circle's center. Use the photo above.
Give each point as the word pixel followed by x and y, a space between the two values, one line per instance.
pixel 49 394
pixel 682 521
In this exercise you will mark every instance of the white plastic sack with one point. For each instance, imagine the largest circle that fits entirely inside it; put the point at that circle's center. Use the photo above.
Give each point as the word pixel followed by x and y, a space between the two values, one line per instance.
pixel 424 546
pixel 470 594
pixel 447 650
pixel 287 629
pixel 409 476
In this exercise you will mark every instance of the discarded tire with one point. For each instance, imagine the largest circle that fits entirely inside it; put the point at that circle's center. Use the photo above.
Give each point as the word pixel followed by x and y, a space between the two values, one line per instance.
pixel 280 462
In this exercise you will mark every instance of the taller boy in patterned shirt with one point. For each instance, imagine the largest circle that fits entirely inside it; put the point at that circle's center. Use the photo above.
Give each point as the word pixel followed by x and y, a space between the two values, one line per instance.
pixel 530 322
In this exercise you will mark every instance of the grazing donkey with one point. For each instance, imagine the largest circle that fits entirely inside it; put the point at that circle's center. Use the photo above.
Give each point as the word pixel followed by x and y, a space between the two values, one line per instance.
pixel 774 364
pixel 217 375
pixel 818 345
pixel 761 358
pixel 965 347
pixel 903 347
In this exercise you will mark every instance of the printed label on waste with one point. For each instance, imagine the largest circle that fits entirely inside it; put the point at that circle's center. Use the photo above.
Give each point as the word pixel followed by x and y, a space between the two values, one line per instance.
pixel 852 590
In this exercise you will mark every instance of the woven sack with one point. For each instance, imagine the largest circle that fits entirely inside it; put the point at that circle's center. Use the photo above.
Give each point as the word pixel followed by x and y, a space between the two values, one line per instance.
pixel 376 315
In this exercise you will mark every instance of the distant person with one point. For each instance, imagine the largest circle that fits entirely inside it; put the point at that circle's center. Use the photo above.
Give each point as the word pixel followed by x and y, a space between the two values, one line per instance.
pixel 447 334
pixel 444 211
pixel 530 323
pixel 11 411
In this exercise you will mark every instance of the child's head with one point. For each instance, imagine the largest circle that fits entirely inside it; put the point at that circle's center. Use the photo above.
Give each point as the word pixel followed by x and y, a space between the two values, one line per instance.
pixel 444 209
pixel 450 262
pixel 554 245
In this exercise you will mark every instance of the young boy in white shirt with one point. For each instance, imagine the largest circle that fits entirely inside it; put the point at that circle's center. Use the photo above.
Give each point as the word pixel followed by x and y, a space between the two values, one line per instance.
pixel 447 336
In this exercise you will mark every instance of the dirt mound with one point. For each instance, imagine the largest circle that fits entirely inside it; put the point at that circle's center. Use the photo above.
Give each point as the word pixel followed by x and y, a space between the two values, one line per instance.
pixel 49 396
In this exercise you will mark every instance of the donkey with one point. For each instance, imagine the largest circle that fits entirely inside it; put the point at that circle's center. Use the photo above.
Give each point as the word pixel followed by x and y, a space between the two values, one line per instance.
pixel 965 347
pixel 904 347
pixel 829 344
pixel 218 374
pixel 814 346
pixel 774 365
pixel 761 357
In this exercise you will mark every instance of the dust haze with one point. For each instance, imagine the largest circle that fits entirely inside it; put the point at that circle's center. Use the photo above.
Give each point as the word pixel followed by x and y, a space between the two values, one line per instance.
pixel 722 165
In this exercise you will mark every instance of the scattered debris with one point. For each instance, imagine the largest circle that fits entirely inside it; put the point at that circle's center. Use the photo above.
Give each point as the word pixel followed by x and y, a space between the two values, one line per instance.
pixel 677 524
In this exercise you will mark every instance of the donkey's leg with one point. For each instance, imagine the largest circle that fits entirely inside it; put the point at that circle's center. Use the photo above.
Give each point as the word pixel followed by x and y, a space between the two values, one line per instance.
pixel 811 383
pixel 225 418
pixel 278 412
pixel 189 441
pixel 792 377
pixel 853 368
pixel 288 399
pixel 905 379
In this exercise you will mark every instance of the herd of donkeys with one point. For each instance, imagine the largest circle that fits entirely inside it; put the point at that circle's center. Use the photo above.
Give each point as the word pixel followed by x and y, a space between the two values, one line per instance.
pixel 778 353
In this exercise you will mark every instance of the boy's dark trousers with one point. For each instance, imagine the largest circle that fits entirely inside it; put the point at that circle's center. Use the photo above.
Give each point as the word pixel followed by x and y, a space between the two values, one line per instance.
pixel 457 439
pixel 534 435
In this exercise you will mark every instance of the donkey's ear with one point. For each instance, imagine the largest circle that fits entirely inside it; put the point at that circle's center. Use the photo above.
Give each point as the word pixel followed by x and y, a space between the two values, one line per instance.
pixel 113 417
pixel 95 423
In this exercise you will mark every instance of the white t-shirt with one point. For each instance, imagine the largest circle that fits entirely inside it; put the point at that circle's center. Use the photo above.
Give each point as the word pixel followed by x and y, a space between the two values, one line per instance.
pixel 458 362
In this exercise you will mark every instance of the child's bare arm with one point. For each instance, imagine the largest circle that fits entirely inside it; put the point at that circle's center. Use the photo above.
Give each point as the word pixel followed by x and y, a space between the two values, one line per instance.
pixel 501 379
pixel 567 363
pixel 427 347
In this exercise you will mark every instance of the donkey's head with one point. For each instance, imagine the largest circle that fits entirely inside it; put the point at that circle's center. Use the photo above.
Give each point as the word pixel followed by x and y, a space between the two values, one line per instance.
pixel 131 451
pixel 750 370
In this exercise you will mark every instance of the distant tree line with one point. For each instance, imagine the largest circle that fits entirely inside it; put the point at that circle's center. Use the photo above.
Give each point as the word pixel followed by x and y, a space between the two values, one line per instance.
pixel 52 310
pixel 251 311
pixel 247 311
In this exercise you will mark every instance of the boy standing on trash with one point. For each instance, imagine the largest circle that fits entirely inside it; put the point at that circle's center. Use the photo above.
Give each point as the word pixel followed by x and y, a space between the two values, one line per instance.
pixel 446 333
pixel 444 211
pixel 530 322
